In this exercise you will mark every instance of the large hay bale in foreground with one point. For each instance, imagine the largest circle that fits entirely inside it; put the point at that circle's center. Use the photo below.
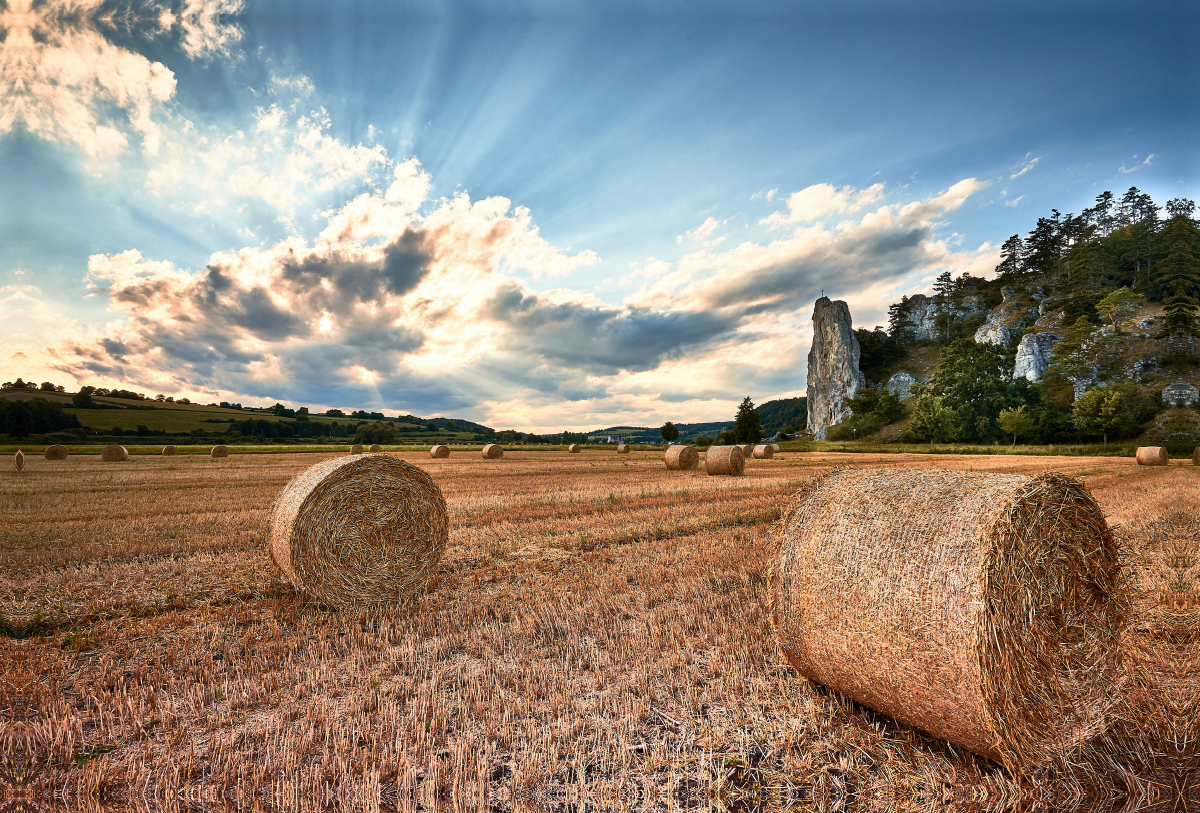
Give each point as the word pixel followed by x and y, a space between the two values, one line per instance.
pixel 622 448
pixel 725 460
pixel 56 452
pixel 763 452
pixel 1152 456
pixel 492 451
pixel 375 448
pixel 982 608
pixel 682 458
pixel 113 453
pixel 359 530
pixel 169 451
pixel 19 461
pixel 356 449
pixel 219 452
pixel 439 450
pixel 573 448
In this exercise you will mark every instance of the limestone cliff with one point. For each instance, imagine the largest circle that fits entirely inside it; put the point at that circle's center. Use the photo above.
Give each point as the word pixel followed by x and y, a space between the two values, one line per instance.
pixel 1005 322
pixel 833 374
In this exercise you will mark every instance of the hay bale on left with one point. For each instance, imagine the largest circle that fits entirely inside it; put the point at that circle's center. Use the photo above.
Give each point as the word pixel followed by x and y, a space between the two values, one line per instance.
pixel 359 530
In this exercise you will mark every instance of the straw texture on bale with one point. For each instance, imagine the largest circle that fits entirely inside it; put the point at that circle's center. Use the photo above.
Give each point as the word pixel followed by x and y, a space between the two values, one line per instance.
pixel 439 450
pixel 763 452
pixel 356 449
pixel 682 458
pixel 219 452
pixel 747 450
pixel 492 451
pixel 1152 456
pixel 56 452
pixel 19 460
pixel 359 530
pixel 375 447
pixel 114 453
pixel 169 451
pixel 622 448
pixel 725 460
pixel 573 448
pixel 982 608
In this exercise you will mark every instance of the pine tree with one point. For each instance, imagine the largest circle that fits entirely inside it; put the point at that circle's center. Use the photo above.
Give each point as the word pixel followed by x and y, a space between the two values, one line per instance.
pixel 746 428
pixel 898 321
pixel 943 293
pixel 1012 258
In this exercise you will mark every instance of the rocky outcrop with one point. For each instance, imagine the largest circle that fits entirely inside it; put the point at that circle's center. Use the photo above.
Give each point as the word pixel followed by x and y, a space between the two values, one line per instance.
pixel 833 374
pixel 921 314
pixel 1180 395
pixel 1006 321
pixel 1033 355
pixel 899 383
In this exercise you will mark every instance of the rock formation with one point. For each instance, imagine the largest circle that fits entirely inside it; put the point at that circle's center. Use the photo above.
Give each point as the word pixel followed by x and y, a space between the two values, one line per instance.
pixel 1033 355
pixel 921 314
pixel 1180 395
pixel 833 374
pixel 899 383
pixel 1005 321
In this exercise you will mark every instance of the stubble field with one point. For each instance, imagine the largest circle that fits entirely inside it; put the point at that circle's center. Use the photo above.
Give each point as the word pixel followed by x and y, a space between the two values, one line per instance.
pixel 596 639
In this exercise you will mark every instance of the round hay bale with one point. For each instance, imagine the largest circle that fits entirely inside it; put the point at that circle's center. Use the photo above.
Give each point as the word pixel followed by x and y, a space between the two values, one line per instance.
pixel 359 530
pixel 622 448
pixel 1152 456
pixel 439 450
pixel 763 452
pixel 982 608
pixel 169 451
pixel 747 450
pixel 725 460
pixel 774 447
pixel 492 451
pixel 113 453
pixel 573 448
pixel 356 449
pixel 19 460
pixel 375 448
pixel 219 452
pixel 56 452
pixel 682 458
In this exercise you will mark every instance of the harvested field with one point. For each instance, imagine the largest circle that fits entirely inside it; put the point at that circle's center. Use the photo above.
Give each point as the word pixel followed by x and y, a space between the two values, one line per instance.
pixel 597 636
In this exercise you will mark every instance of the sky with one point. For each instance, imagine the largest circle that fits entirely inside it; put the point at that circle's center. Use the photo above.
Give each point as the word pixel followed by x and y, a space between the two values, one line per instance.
pixel 540 215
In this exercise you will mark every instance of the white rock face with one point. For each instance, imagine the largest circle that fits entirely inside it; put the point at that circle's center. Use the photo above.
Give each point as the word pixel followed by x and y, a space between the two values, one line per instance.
pixel 899 383
pixel 1033 355
pixel 922 317
pixel 833 374
pixel 1005 321
pixel 1181 395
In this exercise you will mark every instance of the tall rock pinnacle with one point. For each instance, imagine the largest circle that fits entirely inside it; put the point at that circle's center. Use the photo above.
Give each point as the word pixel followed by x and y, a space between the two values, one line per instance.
pixel 833 374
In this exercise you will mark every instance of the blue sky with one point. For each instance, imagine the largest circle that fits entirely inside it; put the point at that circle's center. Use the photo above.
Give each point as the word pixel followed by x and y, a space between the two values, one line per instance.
pixel 540 215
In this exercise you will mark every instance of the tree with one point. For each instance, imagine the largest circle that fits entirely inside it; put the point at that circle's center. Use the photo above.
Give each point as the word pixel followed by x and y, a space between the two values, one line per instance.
pixel 879 352
pixel 898 321
pixel 83 400
pixel 377 432
pixel 943 294
pixel 703 441
pixel 1012 258
pixel 746 428
pixel 1102 411
pixel 1119 306
pixel 1015 421
pixel 932 419
pixel 669 432
pixel 975 382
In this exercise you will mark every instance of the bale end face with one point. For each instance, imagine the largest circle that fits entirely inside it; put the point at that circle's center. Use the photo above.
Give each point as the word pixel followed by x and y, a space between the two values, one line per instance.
pixel 375 448
pixel 573 448
pixel 114 453
pixel 1152 456
pixel 19 461
pixel 439 450
pixel 219 452
pixel 682 458
pixel 56 452
pixel 356 449
pixel 169 451
pixel 492 451
pixel 982 608
pixel 359 530
pixel 622 448
pixel 725 460
pixel 763 452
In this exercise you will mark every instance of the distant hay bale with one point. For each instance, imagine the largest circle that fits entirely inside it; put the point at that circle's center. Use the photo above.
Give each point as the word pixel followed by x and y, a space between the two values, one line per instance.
pixel 375 447
pixel 774 447
pixel 573 448
pixel 982 608
pixel 114 453
pixel 725 460
pixel 763 452
pixel 682 458
pixel 439 450
pixel 56 452
pixel 219 452
pixel 1152 456
pixel 747 450
pixel 19 460
pixel 359 530
pixel 169 451
pixel 492 451
pixel 622 448
pixel 356 449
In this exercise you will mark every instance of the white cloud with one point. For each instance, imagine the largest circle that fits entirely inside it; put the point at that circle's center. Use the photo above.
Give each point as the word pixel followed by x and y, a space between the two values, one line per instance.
pixel 1014 201
pixel 411 185
pixel 818 200
pixel 1126 170
pixel 1030 164
pixel 764 194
